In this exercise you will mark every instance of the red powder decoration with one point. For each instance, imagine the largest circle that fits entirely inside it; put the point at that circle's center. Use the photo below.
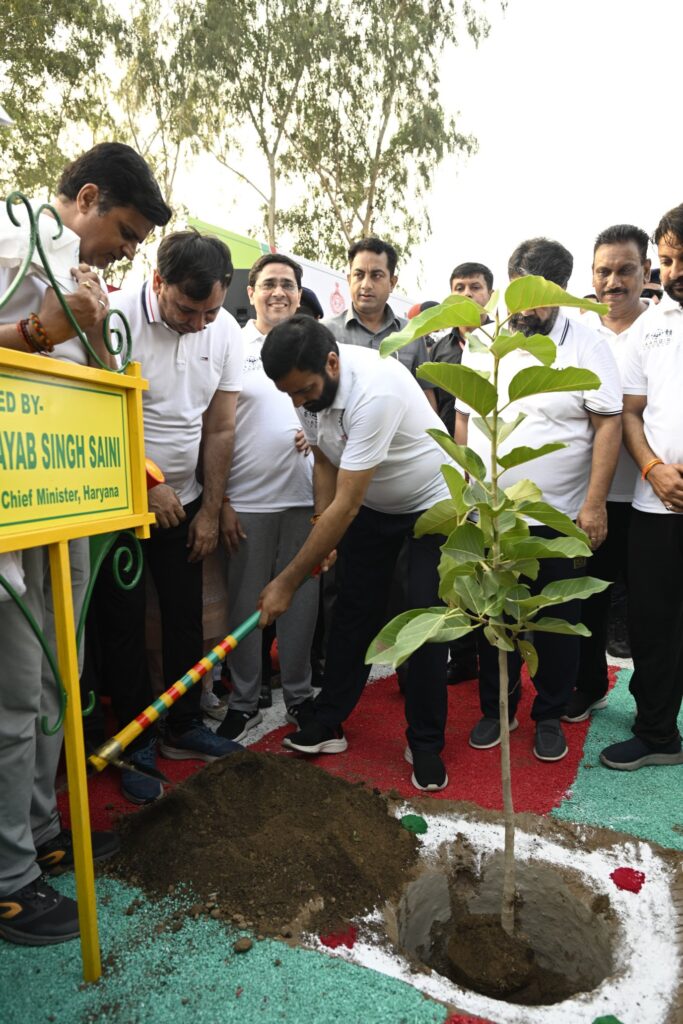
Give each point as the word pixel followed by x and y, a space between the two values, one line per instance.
pixel 346 938
pixel 457 1018
pixel 627 878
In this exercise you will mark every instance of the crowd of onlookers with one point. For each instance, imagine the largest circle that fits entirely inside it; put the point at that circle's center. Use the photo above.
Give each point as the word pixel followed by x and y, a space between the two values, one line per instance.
pixel 289 446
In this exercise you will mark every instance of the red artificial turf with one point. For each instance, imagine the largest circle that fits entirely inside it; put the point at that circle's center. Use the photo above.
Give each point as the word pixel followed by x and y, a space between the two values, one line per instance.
pixel 376 735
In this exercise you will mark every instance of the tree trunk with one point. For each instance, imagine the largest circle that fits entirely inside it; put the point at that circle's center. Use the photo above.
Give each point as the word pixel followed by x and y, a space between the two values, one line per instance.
pixel 507 910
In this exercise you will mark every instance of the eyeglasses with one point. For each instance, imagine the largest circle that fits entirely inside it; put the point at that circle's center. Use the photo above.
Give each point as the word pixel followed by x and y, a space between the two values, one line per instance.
pixel 271 283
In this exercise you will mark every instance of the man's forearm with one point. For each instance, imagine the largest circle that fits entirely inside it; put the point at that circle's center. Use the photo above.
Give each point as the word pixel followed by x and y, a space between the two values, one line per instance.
pixel 10 338
pixel 323 539
pixel 606 446
pixel 324 484
pixel 217 450
pixel 635 441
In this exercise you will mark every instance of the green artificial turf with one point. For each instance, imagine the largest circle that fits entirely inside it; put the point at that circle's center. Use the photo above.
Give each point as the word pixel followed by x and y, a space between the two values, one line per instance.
pixel 645 803
pixel 193 976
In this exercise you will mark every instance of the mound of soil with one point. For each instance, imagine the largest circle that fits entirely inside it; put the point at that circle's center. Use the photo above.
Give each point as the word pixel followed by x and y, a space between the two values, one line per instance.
pixel 272 843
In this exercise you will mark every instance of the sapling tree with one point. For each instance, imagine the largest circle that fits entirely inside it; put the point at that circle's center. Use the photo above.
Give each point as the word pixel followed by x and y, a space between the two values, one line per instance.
pixel 490 559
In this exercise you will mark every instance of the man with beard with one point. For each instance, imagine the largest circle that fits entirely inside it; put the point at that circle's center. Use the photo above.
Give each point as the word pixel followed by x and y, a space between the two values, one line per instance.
pixel 653 432
pixel 376 469
pixel 575 479
pixel 621 269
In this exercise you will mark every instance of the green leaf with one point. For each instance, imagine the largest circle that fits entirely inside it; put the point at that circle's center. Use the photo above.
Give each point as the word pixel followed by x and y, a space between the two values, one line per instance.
pixel 475 344
pixel 449 569
pixel 518 456
pixel 529 654
pixel 549 516
pixel 560 591
pixel 523 490
pixel 383 649
pixel 497 637
pixel 540 346
pixel 533 292
pixel 440 518
pixel 484 426
pixel 466 384
pixel 475 494
pixel 541 547
pixel 455 311
pixel 455 481
pixel 465 544
pixel 527 567
pixel 470 594
pixel 404 634
pixel 465 457
pixel 505 427
pixel 492 304
pixel 549 625
pixel 538 380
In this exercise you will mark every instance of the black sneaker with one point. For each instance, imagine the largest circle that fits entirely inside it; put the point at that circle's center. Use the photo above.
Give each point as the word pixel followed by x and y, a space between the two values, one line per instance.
pixel 635 753
pixel 550 744
pixel 302 714
pixel 486 733
pixel 37 915
pixel 316 738
pixel 429 773
pixel 57 855
pixel 581 707
pixel 237 724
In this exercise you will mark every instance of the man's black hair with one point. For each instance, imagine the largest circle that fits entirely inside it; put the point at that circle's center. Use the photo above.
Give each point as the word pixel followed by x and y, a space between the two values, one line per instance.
pixel 123 178
pixel 378 246
pixel 620 234
pixel 194 263
pixel 274 257
pixel 297 344
pixel 670 226
pixel 543 257
pixel 472 270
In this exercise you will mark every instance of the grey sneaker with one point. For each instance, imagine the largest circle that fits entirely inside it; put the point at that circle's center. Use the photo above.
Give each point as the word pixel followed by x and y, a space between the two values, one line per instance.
pixel 486 733
pixel 550 744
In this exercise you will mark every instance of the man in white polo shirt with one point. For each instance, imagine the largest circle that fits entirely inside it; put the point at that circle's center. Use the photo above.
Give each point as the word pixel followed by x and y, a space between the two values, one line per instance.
pixel 575 480
pixel 653 431
pixel 376 469
pixel 266 515
pixel 190 350
pixel 621 269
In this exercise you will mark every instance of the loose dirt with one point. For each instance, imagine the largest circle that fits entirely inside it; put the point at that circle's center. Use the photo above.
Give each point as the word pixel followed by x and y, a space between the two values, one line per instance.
pixel 271 843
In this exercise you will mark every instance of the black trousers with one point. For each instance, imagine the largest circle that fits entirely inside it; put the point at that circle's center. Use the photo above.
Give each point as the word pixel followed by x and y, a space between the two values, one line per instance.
pixel 558 654
pixel 365 567
pixel 116 626
pixel 609 562
pixel 655 618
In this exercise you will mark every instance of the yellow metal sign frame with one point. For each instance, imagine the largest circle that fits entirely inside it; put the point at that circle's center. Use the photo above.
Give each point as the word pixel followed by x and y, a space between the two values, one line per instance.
pixel 22 375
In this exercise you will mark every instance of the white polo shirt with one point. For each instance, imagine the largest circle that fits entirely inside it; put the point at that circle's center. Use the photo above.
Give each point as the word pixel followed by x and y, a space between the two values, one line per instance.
pixel 626 474
pixel 654 367
pixel 184 372
pixel 378 419
pixel 62 254
pixel 556 416
pixel 268 474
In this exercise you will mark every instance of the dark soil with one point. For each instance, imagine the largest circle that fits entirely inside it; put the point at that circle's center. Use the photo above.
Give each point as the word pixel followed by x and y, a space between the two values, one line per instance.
pixel 271 843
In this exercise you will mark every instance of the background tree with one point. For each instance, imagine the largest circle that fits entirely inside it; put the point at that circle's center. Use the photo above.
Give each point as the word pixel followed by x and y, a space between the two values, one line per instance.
pixel 370 125
pixel 52 55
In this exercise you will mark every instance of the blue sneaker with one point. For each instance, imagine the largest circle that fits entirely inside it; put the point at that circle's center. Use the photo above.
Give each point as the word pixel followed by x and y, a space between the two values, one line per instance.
pixel 140 789
pixel 198 743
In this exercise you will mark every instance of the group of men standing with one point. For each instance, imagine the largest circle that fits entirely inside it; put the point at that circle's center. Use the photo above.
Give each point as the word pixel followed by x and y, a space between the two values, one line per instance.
pixel 231 416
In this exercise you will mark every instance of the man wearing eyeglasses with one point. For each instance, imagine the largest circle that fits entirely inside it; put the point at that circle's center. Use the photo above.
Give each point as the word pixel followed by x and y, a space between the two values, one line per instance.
pixel 267 509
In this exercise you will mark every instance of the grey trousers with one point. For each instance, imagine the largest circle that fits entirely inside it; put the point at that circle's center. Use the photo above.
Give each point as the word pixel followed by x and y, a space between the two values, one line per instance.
pixel 273 539
pixel 29 758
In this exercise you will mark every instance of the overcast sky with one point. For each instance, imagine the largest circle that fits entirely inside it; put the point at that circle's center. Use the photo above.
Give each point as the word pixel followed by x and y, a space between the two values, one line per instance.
pixel 572 102
pixel 573 105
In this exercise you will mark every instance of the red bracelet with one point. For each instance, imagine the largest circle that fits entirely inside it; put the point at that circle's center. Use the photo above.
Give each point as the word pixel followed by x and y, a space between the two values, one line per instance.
pixel 24 332
pixel 42 341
